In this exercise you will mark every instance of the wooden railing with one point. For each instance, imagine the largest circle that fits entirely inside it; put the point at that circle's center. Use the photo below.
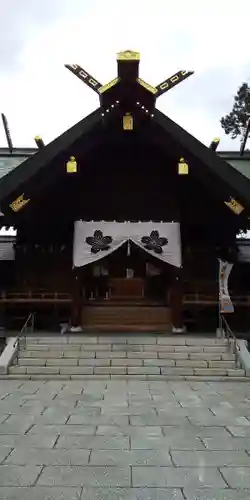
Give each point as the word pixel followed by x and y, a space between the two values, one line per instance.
pixel 190 298
pixel 33 297
pixel 201 298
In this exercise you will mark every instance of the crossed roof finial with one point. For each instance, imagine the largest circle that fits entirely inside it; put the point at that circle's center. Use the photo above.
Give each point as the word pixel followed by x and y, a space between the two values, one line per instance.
pixel 125 57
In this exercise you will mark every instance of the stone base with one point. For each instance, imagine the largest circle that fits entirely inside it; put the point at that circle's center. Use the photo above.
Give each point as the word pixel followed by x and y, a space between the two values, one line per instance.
pixel 75 329
pixel 220 333
pixel 181 329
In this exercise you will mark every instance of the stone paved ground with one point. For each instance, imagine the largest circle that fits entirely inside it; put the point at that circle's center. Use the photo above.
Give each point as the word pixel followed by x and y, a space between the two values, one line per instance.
pixel 118 440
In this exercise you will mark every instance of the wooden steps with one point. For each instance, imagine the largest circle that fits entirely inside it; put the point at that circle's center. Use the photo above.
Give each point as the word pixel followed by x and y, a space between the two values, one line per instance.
pixel 126 318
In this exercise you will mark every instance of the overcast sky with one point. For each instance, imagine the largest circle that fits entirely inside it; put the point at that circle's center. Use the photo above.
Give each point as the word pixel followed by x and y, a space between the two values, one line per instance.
pixel 39 96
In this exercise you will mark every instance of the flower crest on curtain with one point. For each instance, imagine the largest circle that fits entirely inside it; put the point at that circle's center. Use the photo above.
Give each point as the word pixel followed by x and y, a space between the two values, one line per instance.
pixel 94 239
pixel 99 242
pixel 154 242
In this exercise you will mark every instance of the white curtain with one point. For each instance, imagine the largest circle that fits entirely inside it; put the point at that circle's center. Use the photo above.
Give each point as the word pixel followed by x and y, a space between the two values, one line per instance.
pixel 95 240
pixel 7 251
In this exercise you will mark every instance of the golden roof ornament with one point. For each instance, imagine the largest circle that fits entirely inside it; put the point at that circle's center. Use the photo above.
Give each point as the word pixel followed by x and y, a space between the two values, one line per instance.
pixel 128 55
pixel 71 165
pixel 19 203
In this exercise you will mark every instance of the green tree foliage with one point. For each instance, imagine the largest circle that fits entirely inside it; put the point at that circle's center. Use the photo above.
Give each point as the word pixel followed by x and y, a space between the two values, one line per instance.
pixel 235 122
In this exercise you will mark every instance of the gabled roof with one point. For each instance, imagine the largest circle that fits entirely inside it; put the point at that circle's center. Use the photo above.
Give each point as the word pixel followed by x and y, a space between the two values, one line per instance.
pixel 129 94
pixel 9 161
pixel 27 170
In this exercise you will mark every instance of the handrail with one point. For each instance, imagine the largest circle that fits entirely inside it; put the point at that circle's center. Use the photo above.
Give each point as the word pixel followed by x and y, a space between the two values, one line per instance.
pixel 231 339
pixel 30 319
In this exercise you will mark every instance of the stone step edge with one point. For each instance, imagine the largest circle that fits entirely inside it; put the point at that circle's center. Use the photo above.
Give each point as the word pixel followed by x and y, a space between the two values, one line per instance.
pixel 164 378
pixel 221 364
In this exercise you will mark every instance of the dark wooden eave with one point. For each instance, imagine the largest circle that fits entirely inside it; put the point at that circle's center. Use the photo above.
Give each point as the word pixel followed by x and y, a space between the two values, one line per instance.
pixel 29 172
pixel 235 181
pixel 15 181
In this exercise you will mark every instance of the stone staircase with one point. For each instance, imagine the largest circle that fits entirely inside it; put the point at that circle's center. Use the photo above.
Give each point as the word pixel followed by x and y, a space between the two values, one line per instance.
pixel 147 357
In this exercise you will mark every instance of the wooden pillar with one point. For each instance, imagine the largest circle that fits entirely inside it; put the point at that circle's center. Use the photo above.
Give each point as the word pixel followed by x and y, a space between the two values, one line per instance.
pixel 176 302
pixel 76 306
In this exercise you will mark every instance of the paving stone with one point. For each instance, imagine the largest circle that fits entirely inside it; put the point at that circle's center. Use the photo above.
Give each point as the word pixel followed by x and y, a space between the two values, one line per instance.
pixel 95 362
pixel 41 354
pixel 187 349
pixel 99 420
pixel 219 349
pixel 218 494
pixel 80 354
pixel 31 362
pixel 62 362
pixel 84 476
pixel 205 341
pixel 210 371
pixel 131 494
pixel 14 475
pixel 194 363
pixel 236 477
pixel 56 416
pixel 17 424
pixel 208 356
pixel 89 339
pixel 158 348
pixel 63 430
pixel 150 339
pixel 220 421
pixel 116 339
pixel 123 458
pixel 228 356
pixel 86 378
pixel 17 369
pixel 232 443
pixel 39 493
pixel 129 378
pixel 39 456
pixel 163 353
pixel 209 458
pixel 221 364
pixel 77 370
pixel 137 370
pixel 197 431
pixel 239 431
pixel 165 443
pixel 141 355
pixel 235 372
pixel 43 370
pixel 173 341
pixel 177 477
pixel 153 419
pixel 35 440
pixel 97 347
pixel 111 430
pixel 127 410
pixel 4 452
pixel 131 348
pixel 158 362
pixel 112 370
pixel 126 362
pixel 177 371
pixel 93 442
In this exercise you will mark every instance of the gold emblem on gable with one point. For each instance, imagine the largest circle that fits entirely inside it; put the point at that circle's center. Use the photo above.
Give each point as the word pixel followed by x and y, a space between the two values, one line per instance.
pixel 128 122
pixel 128 55
pixel 183 167
pixel 19 203
pixel 234 205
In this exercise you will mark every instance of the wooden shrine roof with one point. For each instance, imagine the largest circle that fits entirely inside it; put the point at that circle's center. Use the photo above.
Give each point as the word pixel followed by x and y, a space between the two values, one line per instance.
pixel 131 93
